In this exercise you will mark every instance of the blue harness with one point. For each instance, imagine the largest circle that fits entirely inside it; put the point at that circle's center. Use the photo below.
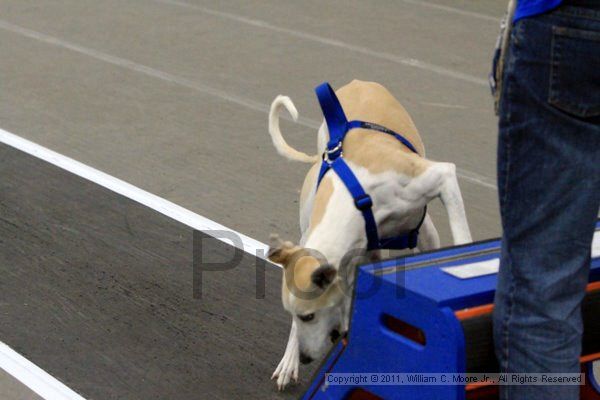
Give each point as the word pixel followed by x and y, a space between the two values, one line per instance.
pixel 333 158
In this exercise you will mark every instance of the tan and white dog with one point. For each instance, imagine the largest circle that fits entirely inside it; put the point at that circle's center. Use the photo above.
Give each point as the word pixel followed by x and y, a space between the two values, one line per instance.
pixel 318 273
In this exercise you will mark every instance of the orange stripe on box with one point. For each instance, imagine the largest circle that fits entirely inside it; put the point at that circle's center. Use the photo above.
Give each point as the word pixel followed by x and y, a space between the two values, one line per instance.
pixel 488 308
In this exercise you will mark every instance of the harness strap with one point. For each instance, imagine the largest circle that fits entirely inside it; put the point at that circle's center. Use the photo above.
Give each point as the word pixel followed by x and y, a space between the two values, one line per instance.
pixel 376 127
pixel 408 241
pixel 362 200
pixel 364 203
pixel 333 113
pixel 338 126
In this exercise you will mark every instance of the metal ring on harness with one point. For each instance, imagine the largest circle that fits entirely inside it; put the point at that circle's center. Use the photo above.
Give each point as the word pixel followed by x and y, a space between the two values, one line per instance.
pixel 330 155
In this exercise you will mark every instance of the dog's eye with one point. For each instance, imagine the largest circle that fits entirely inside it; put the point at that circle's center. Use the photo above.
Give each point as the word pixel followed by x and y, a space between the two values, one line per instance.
pixel 307 317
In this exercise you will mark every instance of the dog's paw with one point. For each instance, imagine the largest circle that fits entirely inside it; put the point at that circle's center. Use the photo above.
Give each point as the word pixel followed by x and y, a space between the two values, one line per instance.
pixel 285 378
pixel 286 372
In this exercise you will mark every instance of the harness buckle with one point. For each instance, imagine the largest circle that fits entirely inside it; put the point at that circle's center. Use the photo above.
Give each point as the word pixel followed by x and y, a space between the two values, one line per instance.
pixel 363 202
pixel 330 155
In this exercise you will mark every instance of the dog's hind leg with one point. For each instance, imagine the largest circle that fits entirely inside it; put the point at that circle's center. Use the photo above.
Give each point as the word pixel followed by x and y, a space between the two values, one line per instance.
pixel 429 239
pixel 287 369
pixel 440 178
pixel 453 201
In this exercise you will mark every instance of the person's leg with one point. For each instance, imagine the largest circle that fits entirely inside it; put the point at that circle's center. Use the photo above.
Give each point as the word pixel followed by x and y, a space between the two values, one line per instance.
pixel 549 189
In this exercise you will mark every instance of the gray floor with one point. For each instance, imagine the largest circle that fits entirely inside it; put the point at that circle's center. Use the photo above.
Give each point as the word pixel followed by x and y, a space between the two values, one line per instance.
pixel 172 96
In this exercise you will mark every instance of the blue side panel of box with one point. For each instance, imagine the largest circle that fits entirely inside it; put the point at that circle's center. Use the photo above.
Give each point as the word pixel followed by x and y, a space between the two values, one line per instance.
pixel 416 291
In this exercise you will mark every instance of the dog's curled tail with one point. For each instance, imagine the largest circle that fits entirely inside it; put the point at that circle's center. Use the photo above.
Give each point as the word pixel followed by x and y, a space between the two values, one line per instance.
pixel 278 141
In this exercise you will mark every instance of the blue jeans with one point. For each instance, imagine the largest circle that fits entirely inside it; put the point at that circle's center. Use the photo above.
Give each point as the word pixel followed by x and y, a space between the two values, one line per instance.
pixel 549 190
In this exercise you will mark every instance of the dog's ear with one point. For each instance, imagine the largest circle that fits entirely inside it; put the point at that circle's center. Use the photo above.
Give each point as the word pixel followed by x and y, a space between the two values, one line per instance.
pixel 280 251
pixel 323 276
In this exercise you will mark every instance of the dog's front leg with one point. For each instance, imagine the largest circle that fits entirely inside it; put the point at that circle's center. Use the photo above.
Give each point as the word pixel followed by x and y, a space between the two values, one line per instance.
pixel 288 366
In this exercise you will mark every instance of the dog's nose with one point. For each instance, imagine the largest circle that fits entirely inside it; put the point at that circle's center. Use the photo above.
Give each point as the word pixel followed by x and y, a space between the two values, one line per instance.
pixel 304 359
pixel 334 335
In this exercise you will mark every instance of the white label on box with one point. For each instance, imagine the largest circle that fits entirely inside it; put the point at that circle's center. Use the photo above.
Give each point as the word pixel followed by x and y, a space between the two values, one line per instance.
pixel 596 245
pixel 488 267
pixel 474 269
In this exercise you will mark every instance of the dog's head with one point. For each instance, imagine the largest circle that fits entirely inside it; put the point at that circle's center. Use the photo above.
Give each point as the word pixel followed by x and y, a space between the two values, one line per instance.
pixel 312 293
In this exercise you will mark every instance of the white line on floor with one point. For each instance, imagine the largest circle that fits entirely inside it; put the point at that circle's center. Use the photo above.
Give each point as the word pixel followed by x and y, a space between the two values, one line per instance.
pixel 411 62
pixel 32 376
pixel 444 105
pixel 143 69
pixel 165 76
pixel 476 179
pixel 454 10
pixel 163 206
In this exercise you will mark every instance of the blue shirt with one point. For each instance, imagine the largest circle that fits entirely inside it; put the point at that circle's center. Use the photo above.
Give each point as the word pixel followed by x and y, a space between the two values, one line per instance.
pixel 529 8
